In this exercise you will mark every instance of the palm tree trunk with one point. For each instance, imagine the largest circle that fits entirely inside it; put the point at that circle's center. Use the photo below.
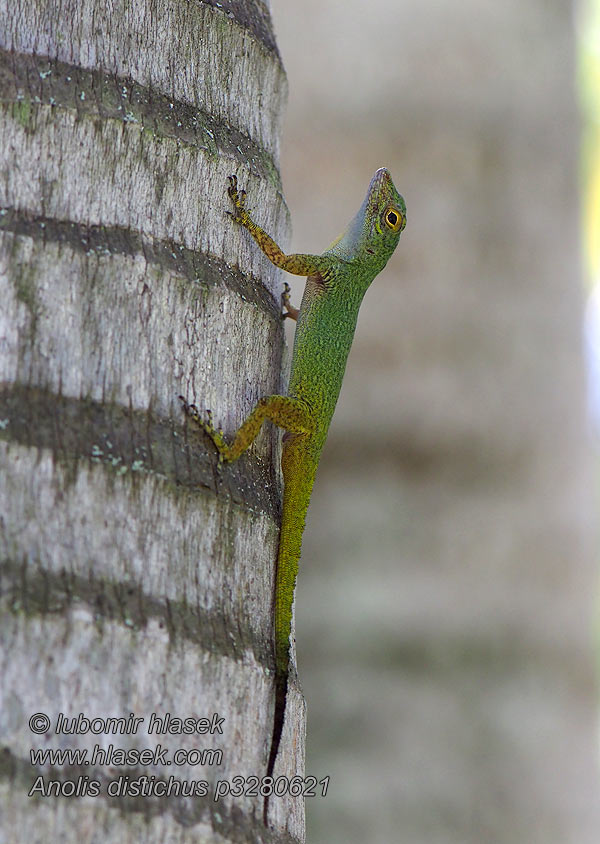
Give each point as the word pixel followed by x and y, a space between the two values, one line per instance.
pixel 136 579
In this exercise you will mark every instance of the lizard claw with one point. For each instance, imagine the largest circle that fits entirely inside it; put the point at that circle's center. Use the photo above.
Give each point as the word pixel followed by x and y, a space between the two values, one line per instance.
pixel 205 425
pixel 189 409
pixel 232 190
pixel 238 197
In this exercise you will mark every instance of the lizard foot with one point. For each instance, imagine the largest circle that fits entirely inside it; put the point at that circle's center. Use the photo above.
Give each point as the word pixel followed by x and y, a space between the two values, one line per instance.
pixel 206 425
pixel 290 310
pixel 238 197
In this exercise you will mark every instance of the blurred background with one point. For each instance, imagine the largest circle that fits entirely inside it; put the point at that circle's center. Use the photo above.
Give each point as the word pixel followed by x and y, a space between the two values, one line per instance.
pixel 448 579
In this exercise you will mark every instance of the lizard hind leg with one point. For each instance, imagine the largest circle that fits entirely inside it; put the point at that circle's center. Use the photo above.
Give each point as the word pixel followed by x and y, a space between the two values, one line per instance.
pixel 291 414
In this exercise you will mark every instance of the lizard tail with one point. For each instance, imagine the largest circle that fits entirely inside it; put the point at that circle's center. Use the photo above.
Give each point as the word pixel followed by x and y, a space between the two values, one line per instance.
pixel 298 480
pixel 280 698
pixel 287 568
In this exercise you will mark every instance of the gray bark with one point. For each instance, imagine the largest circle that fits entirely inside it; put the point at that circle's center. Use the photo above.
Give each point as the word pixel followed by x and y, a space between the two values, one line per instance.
pixel 136 578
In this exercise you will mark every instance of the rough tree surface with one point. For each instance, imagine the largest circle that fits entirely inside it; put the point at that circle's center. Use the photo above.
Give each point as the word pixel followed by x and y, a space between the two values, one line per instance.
pixel 135 577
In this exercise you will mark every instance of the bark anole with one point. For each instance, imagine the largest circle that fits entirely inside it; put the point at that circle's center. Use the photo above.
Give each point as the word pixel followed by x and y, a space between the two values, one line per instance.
pixel 336 283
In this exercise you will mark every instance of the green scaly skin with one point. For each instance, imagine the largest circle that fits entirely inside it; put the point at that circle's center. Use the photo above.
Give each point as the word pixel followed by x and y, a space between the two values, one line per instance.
pixel 336 283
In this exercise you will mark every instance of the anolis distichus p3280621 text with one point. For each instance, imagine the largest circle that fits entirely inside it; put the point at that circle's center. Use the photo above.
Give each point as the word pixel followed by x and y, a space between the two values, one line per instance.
pixel 336 283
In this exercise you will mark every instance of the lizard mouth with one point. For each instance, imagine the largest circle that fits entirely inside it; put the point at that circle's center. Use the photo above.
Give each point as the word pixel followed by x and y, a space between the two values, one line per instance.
pixel 380 188
pixel 381 177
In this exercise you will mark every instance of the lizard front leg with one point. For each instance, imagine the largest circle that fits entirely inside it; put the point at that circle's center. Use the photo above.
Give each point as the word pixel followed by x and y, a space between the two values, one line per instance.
pixel 290 310
pixel 297 263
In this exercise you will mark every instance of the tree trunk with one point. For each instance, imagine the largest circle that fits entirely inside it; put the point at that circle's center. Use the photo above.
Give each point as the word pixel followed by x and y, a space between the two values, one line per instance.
pixel 136 578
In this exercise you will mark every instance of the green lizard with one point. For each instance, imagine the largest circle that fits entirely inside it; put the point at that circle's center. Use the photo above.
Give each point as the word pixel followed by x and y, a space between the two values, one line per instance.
pixel 337 281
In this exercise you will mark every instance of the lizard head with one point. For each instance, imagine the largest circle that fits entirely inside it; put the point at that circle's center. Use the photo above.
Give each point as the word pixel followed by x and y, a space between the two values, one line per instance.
pixel 373 234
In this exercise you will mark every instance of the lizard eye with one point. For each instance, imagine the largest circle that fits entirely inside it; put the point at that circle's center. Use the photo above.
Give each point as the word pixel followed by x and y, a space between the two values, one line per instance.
pixel 393 219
